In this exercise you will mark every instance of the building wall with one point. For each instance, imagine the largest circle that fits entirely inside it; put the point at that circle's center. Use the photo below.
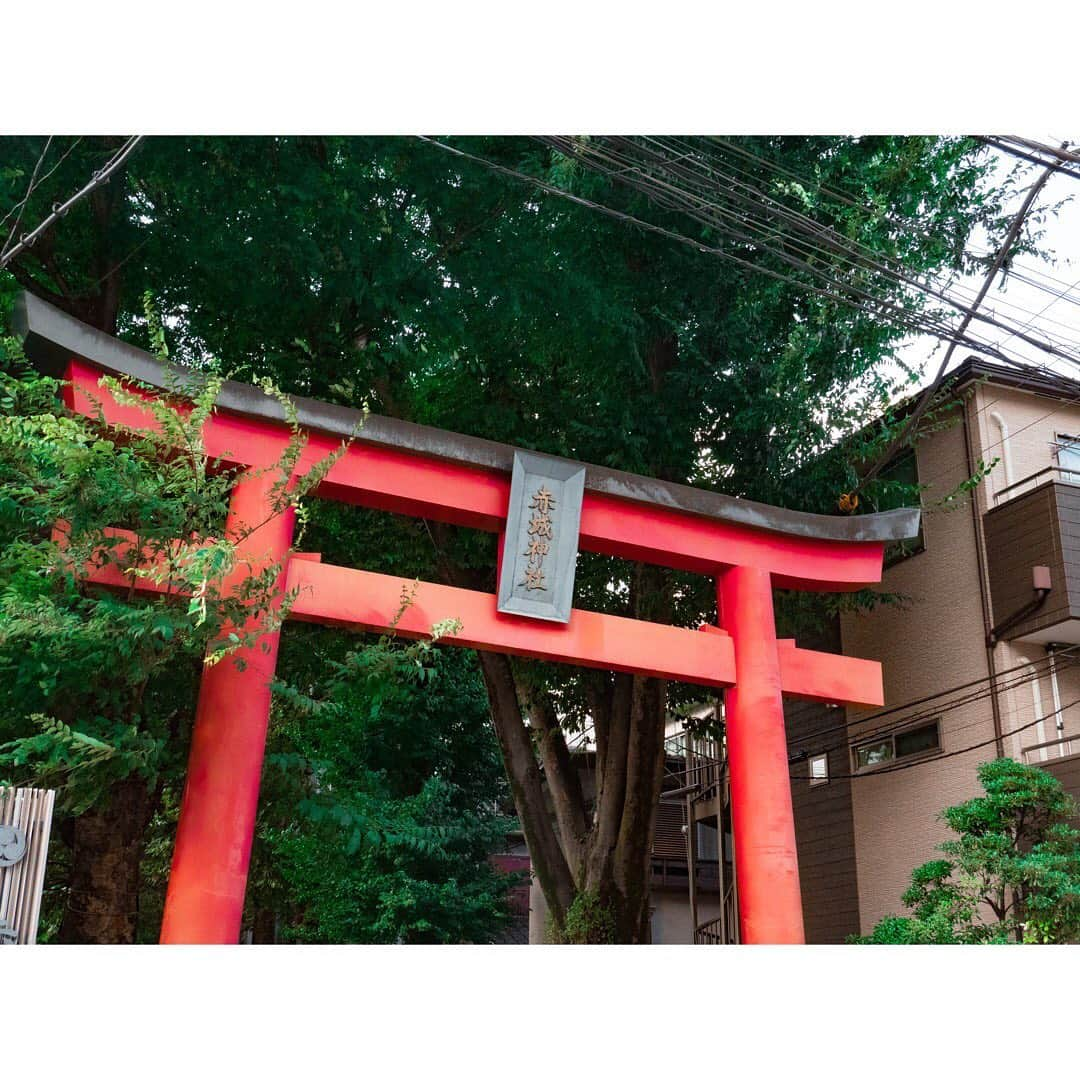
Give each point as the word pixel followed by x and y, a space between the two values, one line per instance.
pixel 937 640
pixel 670 915
pixel 933 640
pixel 1034 424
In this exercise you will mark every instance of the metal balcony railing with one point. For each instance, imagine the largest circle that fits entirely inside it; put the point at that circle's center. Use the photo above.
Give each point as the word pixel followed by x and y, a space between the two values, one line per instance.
pixel 667 871
pixel 711 932
pixel 1065 746
pixel 724 929
pixel 693 760
pixel 1036 479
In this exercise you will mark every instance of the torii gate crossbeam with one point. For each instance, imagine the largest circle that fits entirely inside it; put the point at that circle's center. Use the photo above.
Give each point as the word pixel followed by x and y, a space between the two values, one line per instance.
pixel 750 548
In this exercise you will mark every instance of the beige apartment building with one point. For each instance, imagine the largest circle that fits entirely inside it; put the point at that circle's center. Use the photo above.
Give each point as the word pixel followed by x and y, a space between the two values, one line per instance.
pixel 976 616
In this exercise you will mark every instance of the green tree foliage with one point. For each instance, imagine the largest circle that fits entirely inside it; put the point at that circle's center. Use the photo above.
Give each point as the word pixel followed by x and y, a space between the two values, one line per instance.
pixel 1011 875
pixel 73 653
pixel 382 796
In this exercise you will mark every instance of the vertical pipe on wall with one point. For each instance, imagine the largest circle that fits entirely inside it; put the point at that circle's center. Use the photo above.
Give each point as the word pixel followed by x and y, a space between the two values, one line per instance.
pixel 1040 716
pixel 1006 450
pixel 980 561
pixel 766 862
pixel 205 899
pixel 1059 720
pixel 691 854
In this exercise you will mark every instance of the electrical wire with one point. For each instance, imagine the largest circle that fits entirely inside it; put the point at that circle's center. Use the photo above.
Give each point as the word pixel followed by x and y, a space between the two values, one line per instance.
pixel 885 308
pixel 99 177
pixel 892 264
pixel 33 186
pixel 640 175
pixel 898 223
pixel 1039 668
pixel 865 258
pixel 20 206
pixel 900 227
pixel 983 682
pixel 908 723
pixel 901 766
pixel 1006 246
pixel 1059 157
pixel 625 165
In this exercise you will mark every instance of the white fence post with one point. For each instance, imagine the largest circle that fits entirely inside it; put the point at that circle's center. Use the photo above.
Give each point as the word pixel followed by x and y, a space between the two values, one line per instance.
pixel 25 821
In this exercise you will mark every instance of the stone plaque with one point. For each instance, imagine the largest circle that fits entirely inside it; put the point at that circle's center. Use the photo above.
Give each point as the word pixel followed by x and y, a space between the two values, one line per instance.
pixel 540 554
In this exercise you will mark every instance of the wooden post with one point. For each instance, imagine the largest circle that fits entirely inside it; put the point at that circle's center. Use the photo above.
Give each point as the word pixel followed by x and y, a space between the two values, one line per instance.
pixel 205 900
pixel 766 864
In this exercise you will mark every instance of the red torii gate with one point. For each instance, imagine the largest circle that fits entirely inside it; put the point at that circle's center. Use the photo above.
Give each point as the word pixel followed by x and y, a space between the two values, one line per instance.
pixel 392 465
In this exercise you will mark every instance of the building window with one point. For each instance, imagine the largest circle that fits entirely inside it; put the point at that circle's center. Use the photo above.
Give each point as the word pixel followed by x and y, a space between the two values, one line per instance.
pixel 893 491
pixel 924 739
pixel 819 769
pixel 1068 458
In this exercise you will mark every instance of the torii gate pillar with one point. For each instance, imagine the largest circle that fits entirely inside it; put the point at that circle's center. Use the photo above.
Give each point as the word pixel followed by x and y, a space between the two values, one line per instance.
pixel 205 898
pixel 766 864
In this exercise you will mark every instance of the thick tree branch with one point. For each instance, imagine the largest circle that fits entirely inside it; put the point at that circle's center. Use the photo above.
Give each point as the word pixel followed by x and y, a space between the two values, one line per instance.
pixel 611 784
pixel 547 856
pixel 563 779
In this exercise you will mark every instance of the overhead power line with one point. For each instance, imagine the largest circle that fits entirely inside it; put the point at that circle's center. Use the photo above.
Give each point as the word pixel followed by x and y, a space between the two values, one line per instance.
pixel 899 228
pixel 1056 158
pixel 981 689
pixel 1062 152
pixel 809 246
pixel 901 766
pixel 21 204
pixel 916 325
pixel 854 298
pixel 34 185
pixel 99 177
pixel 715 178
pixel 1005 148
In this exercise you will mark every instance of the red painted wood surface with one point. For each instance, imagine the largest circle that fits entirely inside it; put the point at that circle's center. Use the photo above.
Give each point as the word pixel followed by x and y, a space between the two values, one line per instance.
pixel 766 862
pixel 389 479
pixel 361 600
pixel 205 899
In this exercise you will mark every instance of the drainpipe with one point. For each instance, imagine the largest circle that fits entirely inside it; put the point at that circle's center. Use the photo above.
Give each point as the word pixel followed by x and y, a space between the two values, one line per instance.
pixel 1059 720
pixel 1036 701
pixel 1006 451
pixel 976 520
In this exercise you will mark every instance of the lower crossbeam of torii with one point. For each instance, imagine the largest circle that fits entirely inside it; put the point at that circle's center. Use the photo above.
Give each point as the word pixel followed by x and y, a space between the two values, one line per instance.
pixel 545 509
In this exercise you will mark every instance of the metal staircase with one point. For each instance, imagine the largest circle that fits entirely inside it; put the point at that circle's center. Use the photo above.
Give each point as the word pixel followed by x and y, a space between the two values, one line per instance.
pixel 696 774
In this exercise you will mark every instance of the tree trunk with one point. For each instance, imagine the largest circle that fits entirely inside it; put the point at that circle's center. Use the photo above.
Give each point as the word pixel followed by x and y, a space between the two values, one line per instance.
pixel 107 849
pixel 592 861
pixel 593 868
pixel 264 927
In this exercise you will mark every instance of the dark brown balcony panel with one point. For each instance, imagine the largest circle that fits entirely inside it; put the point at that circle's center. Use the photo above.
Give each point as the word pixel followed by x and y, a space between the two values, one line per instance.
pixel 1040 527
pixel 1066 769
